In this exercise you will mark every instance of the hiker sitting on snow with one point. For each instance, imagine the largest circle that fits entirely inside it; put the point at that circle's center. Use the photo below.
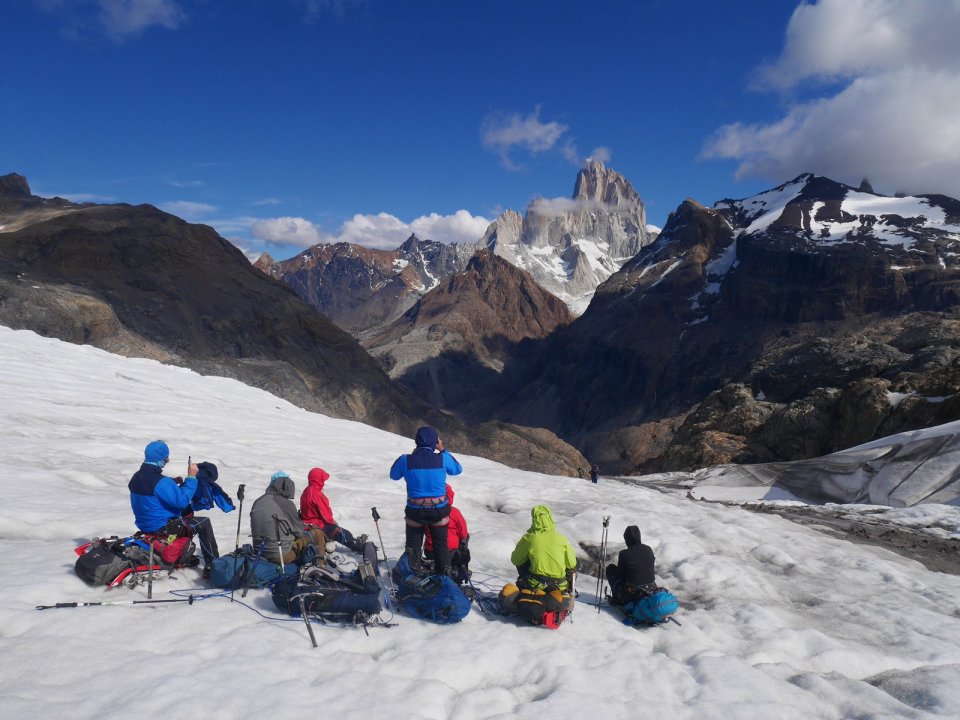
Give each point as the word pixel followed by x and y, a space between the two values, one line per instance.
pixel 632 576
pixel 276 525
pixel 544 557
pixel 158 500
pixel 315 511
pixel 458 538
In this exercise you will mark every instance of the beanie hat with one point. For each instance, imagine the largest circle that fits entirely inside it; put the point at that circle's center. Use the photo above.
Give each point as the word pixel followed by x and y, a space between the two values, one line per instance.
pixel 427 437
pixel 279 474
pixel 156 452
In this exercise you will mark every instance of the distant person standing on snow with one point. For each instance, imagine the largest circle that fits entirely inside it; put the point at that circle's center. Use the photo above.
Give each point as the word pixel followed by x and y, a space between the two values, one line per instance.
pixel 594 473
pixel 157 502
pixel 425 471
pixel 315 511
pixel 632 577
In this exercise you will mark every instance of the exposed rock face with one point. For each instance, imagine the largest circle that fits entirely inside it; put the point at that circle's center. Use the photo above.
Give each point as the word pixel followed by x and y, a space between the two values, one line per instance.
pixel 141 282
pixel 14 185
pixel 359 288
pixel 570 247
pixel 457 336
pixel 784 326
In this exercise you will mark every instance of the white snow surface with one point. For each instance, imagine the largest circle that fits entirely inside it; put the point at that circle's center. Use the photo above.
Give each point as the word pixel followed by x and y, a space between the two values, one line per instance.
pixel 778 620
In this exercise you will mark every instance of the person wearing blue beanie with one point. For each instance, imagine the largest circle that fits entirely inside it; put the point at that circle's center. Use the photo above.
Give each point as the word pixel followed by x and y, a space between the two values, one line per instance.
pixel 158 501
pixel 425 471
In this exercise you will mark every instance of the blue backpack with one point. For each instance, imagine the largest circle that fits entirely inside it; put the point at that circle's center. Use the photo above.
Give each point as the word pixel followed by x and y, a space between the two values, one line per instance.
pixel 433 597
pixel 651 609
pixel 231 571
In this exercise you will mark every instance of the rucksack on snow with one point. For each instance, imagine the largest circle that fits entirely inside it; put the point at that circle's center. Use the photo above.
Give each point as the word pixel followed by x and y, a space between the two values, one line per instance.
pixel 436 598
pixel 111 561
pixel 651 609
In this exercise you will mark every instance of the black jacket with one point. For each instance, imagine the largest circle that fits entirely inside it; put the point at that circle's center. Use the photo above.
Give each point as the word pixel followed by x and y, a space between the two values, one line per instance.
pixel 635 564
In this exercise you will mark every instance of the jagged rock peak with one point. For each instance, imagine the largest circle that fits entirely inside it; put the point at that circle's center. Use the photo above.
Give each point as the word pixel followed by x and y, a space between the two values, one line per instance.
pixel 598 183
pixel 14 185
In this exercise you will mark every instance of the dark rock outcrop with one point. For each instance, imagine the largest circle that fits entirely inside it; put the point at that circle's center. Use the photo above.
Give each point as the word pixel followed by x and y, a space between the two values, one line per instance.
pixel 141 282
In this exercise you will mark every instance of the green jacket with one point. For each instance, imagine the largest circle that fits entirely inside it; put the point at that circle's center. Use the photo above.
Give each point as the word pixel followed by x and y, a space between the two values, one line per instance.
pixel 547 552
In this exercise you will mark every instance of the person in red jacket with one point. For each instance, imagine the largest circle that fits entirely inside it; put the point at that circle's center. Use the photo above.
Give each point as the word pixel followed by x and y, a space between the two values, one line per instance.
pixel 315 511
pixel 458 538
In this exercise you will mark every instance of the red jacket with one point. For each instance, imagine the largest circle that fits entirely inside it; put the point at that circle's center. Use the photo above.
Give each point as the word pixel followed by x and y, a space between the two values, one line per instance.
pixel 456 529
pixel 314 505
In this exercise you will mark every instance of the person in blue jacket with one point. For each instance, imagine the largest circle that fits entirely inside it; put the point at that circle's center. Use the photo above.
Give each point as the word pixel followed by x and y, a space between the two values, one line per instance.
pixel 425 471
pixel 158 501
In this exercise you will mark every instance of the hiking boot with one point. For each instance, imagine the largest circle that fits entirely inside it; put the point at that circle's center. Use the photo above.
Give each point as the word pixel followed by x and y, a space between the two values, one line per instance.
pixel 207 570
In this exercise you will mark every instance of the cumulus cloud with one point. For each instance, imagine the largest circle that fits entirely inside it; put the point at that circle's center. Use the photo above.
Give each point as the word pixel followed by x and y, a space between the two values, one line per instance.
pixel 294 231
pixel 381 231
pixel 602 154
pixel 889 79
pixel 507 133
pixel 188 210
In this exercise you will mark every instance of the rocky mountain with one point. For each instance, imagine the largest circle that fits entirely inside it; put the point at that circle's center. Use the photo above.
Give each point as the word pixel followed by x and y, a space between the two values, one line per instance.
pixel 788 325
pixel 457 337
pixel 571 246
pixel 137 281
pixel 359 288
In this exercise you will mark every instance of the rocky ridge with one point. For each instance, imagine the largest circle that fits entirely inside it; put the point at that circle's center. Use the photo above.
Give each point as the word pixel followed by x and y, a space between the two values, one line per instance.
pixel 138 281
pixel 784 326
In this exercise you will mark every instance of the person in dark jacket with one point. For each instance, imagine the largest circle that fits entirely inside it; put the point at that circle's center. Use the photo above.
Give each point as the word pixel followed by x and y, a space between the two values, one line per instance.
pixel 425 471
pixel 315 511
pixel 594 474
pixel 632 577
pixel 276 525
pixel 158 501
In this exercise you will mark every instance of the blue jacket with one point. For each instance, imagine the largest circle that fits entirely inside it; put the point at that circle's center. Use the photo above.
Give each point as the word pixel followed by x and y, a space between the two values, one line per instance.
pixel 425 471
pixel 155 498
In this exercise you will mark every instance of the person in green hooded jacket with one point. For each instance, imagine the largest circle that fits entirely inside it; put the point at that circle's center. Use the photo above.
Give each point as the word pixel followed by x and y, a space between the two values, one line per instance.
pixel 544 557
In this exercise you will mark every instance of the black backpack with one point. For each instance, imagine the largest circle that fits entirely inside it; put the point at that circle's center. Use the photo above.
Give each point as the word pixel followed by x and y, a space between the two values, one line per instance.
pixel 102 562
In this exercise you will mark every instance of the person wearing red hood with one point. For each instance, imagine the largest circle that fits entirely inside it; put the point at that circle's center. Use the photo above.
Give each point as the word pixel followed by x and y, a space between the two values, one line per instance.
pixel 458 538
pixel 315 511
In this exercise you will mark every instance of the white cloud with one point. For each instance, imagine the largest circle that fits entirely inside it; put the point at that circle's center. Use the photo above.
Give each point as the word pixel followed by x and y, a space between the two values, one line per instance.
pixel 127 18
pixel 286 231
pixel 602 154
pixel 892 119
pixel 381 231
pixel 556 207
pixel 186 183
pixel 268 201
pixel 504 133
pixel 188 210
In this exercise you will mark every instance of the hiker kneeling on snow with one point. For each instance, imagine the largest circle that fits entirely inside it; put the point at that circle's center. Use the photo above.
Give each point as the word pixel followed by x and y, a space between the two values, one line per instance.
pixel 632 576
pixel 278 532
pixel 158 501
pixel 546 564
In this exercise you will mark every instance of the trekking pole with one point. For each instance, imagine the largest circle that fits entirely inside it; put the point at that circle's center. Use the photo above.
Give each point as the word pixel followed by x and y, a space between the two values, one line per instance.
pixel 376 521
pixel 236 549
pixel 188 600
pixel 276 524
pixel 603 559
pixel 150 573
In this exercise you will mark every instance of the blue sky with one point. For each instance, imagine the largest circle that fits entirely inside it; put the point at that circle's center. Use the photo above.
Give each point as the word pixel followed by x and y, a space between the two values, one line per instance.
pixel 286 122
